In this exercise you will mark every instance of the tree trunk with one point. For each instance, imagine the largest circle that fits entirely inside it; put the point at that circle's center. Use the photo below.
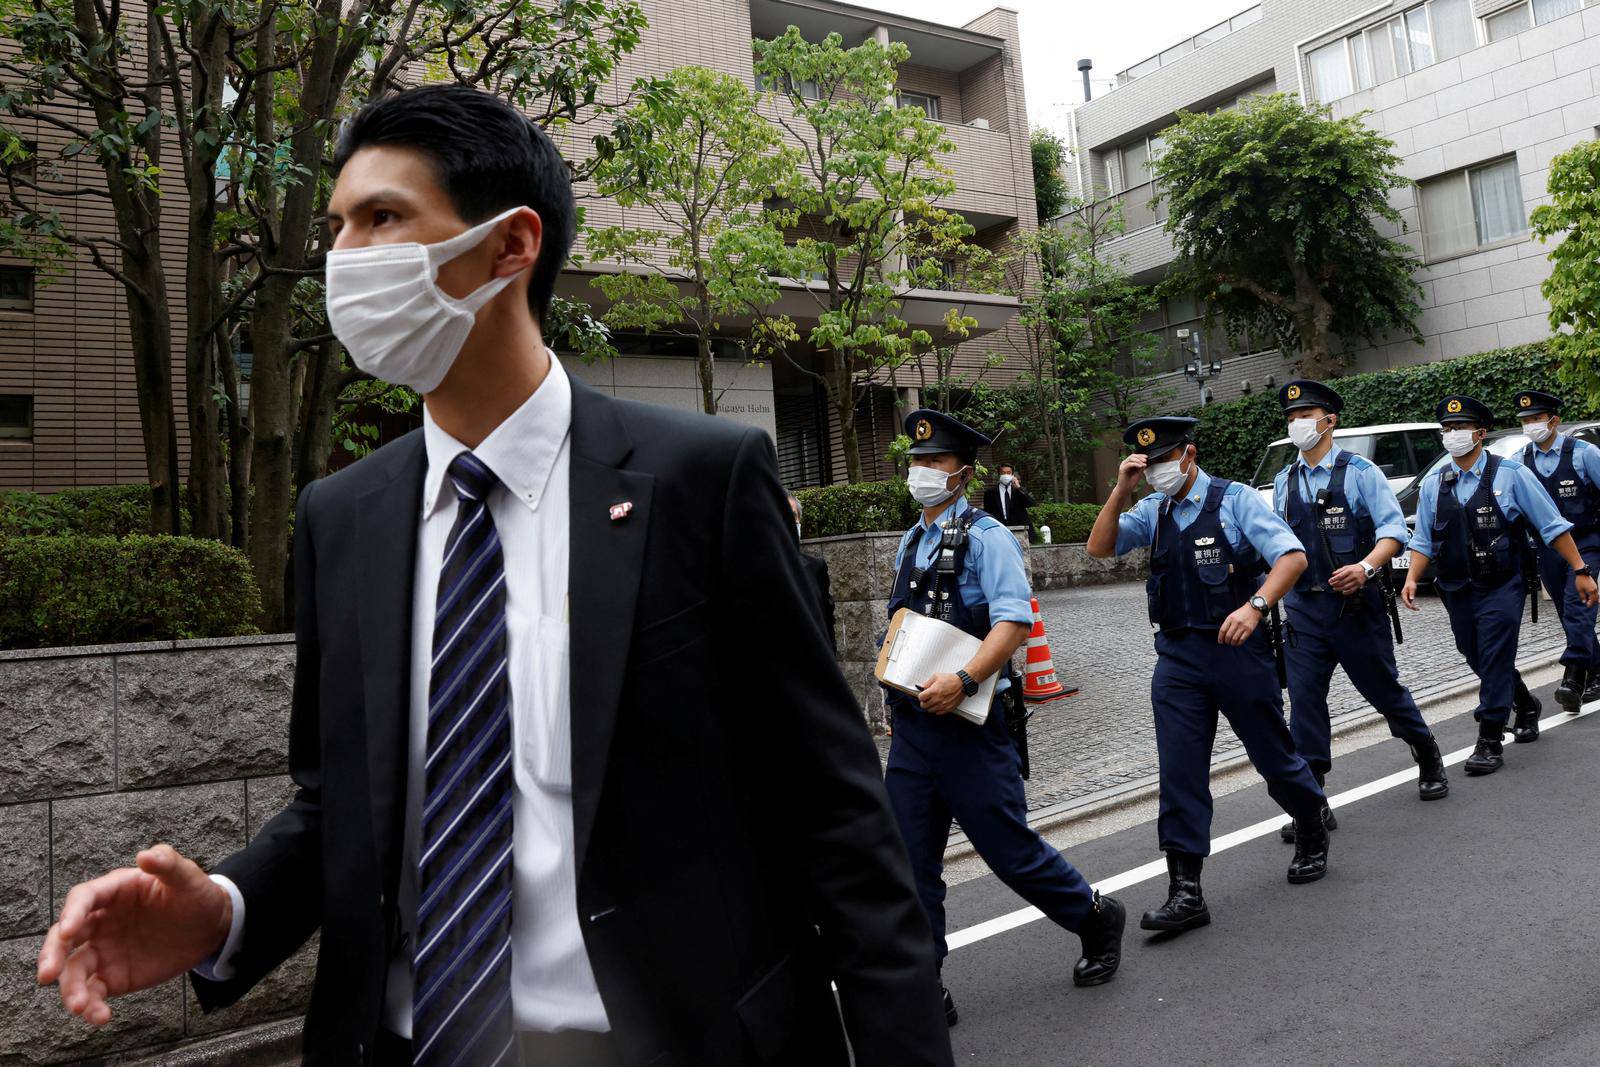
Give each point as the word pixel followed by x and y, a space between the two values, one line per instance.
pixel 841 393
pixel 321 393
pixel 238 447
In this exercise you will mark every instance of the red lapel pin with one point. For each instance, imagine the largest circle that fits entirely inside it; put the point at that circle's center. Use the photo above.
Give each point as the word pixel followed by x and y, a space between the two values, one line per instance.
pixel 620 511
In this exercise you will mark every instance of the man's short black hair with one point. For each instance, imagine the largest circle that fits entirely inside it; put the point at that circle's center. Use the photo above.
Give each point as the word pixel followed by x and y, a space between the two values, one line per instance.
pixel 1003 466
pixel 488 157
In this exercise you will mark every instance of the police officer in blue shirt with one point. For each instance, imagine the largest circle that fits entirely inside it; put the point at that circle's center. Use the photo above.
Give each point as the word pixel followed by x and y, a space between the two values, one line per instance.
pixel 1474 516
pixel 1569 470
pixel 1210 541
pixel 961 565
pixel 1342 510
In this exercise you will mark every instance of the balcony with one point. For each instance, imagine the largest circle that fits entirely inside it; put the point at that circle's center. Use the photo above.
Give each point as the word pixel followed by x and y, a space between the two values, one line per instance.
pixel 946 48
pixel 1182 48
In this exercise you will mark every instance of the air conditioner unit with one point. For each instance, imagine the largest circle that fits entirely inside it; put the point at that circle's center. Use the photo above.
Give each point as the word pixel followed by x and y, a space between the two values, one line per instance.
pixel 982 124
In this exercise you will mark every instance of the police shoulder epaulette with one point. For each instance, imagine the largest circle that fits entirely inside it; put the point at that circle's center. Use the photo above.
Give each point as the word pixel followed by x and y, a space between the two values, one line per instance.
pixel 1360 462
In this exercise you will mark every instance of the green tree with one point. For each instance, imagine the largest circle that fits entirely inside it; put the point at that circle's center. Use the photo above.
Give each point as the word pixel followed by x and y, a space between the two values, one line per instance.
pixel 867 187
pixel 1573 287
pixel 699 158
pixel 1050 193
pixel 243 97
pixel 1275 211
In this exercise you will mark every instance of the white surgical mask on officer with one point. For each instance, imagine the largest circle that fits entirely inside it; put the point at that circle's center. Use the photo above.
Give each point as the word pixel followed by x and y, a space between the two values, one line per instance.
pixel 1459 442
pixel 386 307
pixel 1167 478
pixel 1304 433
pixel 929 485
pixel 1538 430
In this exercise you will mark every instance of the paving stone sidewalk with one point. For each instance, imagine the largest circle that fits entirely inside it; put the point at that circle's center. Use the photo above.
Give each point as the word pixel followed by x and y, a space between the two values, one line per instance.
pixel 1101 642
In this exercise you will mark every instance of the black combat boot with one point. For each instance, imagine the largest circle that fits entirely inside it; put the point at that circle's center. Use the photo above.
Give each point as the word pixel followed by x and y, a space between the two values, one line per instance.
pixel 1489 754
pixel 950 1015
pixel 1591 692
pixel 1185 908
pixel 1525 727
pixel 1431 781
pixel 1310 851
pixel 1569 694
pixel 1286 831
pixel 1102 942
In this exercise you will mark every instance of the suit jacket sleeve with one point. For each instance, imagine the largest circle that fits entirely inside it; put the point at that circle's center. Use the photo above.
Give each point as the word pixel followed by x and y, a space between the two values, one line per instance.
pixel 1020 495
pixel 279 873
pixel 812 752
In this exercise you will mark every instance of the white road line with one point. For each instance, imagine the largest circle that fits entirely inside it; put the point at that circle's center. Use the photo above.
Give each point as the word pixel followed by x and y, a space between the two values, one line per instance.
pixel 1155 868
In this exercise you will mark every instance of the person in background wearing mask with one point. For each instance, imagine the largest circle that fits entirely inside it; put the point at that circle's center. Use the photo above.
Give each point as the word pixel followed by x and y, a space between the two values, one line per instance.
pixel 942 766
pixel 1343 512
pixel 1006 500
pixel 1210 541
pixel 529 825
pixel 1474 516
pixel 817 570
pixel 1569 470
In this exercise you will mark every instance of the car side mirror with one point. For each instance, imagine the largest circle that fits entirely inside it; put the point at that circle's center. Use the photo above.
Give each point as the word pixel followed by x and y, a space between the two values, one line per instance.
pixel 1387 469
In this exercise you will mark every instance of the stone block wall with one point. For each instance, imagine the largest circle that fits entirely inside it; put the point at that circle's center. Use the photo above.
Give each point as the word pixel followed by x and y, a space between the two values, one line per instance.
pixel 104 751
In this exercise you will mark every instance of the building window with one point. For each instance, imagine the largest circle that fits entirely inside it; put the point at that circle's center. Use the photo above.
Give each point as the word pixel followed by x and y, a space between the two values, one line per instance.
pixel 807 90
pixel 1418 37
pixel 1528 13
pixel 16 418
pixel 16 288
pixel 926 103
pixel 1469 209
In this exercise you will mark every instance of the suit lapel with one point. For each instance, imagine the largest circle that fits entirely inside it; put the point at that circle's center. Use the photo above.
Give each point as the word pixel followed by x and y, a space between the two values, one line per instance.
pixel 605 563
pixel 386 521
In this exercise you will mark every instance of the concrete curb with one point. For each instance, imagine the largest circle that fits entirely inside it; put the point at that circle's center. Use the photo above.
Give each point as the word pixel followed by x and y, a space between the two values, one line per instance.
pixel 1066 812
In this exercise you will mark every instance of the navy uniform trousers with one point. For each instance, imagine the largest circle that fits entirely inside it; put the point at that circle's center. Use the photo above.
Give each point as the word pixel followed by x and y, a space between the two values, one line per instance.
pixel 943 767
pixel 1578 621
pixel 1196 677
pixel 1486 623
pixel 1360 641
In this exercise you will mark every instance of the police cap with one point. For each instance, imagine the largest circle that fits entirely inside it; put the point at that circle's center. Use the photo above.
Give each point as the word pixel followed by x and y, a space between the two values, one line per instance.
pixel 1155 437
pixel 1464 409
pixel 1305 393
pixel 1533 402
pixel 933 431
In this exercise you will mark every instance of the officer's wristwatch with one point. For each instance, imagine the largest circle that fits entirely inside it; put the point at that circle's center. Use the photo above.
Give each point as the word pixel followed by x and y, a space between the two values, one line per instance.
pixel 1368 569
pixel 1584 572
pixel 968 686
pixel 1259 602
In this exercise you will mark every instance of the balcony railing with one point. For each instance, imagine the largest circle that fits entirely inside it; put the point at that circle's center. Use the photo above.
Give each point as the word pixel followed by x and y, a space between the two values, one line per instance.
pixel 1140 211
pixel 1183 48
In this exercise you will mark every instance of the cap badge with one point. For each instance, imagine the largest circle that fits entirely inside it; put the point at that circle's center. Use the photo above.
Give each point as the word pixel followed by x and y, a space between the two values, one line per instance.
pixel 1293 393
pixel 924 429
pixel 1454 407
pixel 1147 436
pixel 1526 401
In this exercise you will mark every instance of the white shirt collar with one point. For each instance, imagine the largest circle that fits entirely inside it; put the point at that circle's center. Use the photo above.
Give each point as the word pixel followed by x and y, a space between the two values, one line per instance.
pixel 521 451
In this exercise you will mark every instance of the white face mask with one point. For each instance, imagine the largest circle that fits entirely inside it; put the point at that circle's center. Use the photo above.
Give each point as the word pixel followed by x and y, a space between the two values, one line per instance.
pixel 1538 431
pixel 1459 442
pixel 385 306
pixel 1304 433
pixel 927 485
pixel 1007 479
pixel 1166 478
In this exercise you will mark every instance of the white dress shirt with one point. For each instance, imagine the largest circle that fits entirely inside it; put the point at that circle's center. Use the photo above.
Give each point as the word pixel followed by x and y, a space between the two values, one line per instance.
pixel 552 983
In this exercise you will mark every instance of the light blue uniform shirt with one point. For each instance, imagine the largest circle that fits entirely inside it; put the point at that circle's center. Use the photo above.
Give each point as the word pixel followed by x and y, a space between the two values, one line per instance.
pixel 993 574
pixel 1585 458
pixel 1243 514
pixel 1516 490
pixel 1365 488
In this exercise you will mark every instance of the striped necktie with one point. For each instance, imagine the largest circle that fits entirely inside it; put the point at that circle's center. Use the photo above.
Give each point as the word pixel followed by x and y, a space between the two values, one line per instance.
pixel 461 996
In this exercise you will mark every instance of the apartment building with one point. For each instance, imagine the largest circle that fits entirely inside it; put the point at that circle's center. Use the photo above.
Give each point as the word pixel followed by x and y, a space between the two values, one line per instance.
pixel 1478 96
pixel 68 410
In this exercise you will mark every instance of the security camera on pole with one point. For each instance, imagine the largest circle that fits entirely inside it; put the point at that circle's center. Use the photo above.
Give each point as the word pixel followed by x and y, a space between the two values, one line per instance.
pixel 1196 367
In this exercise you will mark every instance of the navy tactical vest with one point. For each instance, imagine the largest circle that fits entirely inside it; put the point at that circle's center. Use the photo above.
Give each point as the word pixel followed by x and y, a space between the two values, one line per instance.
pixel 938 594
pixel 1347 537
pixel 1578 501
pixel 1196 578
pixel 1476 543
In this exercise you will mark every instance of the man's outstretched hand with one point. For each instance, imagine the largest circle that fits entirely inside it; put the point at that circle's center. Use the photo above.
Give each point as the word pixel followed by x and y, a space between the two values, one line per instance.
pixel 131 929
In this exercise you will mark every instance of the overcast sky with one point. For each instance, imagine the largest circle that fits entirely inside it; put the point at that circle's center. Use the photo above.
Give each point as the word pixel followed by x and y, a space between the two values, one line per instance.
pixel 1058 33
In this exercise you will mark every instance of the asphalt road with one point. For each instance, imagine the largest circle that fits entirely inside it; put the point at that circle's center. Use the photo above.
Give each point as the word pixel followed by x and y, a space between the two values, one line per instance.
pixel 1462 931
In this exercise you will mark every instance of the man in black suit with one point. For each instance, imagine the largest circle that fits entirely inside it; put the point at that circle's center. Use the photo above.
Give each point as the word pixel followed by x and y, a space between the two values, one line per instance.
pixel 1006 500
pixel 513 851
pixel 817 572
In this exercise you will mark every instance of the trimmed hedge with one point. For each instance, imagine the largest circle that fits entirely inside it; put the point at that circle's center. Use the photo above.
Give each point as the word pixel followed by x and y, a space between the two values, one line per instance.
pixel 103 590
pixel 866 507
pixel 1069 523
pixel 91 511
pixel 1234 436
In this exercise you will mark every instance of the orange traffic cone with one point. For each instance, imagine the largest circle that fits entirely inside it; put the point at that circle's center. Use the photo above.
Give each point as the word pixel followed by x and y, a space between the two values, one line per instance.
pixel 1039 683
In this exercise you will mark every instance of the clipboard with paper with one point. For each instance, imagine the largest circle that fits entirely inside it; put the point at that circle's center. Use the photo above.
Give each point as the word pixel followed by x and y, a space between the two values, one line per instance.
pixel 918 647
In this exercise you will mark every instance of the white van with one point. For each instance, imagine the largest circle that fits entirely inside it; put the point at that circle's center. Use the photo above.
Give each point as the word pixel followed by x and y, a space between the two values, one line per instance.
pixel 1402 450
